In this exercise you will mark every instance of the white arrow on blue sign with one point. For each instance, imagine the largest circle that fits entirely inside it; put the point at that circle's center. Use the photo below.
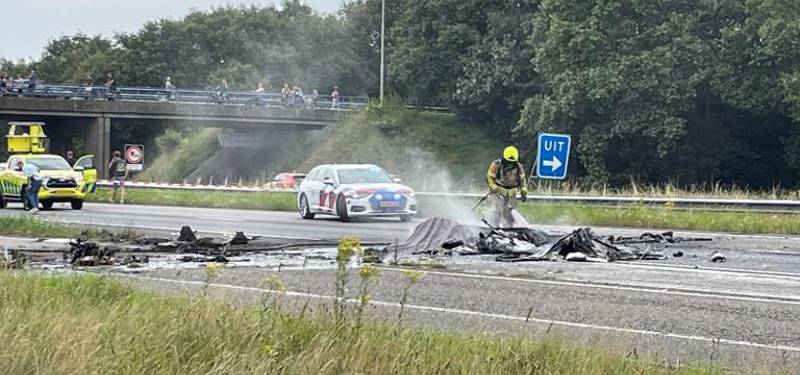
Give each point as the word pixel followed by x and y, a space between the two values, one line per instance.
pixel 552 156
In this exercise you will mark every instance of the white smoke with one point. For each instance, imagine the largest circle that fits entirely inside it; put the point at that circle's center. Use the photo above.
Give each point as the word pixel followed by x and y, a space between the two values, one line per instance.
pixel 426 174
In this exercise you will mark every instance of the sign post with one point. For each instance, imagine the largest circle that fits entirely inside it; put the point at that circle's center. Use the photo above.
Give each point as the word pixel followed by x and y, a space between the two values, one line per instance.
pixel 552 156
pixel 134 157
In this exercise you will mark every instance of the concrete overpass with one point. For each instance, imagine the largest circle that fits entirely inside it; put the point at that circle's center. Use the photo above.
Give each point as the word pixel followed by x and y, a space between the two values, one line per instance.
pixel 92 119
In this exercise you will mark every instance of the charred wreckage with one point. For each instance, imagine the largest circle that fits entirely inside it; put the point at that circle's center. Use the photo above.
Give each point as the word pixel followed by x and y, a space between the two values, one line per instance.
pixel 439 236
pixel 434 237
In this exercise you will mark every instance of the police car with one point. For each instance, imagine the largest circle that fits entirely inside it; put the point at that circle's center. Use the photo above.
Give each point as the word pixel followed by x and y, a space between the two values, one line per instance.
pixel 354 190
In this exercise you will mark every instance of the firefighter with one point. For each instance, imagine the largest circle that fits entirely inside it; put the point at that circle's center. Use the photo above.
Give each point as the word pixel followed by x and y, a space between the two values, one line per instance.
pixel 506 178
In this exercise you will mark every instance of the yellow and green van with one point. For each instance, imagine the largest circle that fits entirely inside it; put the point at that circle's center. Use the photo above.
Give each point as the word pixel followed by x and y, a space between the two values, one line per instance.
pixel 61 182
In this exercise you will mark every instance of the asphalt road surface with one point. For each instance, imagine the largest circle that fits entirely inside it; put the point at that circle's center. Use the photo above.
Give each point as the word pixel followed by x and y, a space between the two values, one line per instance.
pixel 279 224
pixel 742 314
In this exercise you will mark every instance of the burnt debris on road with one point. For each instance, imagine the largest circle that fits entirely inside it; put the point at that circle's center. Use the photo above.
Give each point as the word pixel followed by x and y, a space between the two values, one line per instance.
pixel 439 236
pixel 435 237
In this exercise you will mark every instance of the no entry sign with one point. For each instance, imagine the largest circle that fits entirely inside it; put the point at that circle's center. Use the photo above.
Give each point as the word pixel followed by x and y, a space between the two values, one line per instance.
pixel 134 157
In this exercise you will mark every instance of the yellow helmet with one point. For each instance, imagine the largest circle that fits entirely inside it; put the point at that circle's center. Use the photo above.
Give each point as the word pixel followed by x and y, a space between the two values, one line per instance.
pixel 511 153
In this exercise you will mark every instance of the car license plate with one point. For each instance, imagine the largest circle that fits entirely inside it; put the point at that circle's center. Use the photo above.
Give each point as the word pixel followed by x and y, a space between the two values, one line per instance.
pixel 390 204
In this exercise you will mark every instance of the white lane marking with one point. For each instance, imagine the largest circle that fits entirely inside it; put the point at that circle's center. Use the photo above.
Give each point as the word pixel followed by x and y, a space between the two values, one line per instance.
pixel 484 315
pixel 219 219
pixel 766 298
pixel 568 229
pixel 171 230
pixel 684 267
pixel 191 210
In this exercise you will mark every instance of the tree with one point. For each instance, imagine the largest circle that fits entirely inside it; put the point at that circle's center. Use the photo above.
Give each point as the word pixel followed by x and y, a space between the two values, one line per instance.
pixel 431 39
pixel 362 27
pixel 78 59
pixel 759 66
pixel 617 70
pixel 497 71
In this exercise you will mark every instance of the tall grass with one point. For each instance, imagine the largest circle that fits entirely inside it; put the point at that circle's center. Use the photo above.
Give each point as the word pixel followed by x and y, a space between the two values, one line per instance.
pixel 94 325
pixel 667 190
pixel 28 226
pixel 662 218
pixel 278 201
pixel 180 153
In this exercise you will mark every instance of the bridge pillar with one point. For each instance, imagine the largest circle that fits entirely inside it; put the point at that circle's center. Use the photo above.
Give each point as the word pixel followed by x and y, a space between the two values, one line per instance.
pixel 98 143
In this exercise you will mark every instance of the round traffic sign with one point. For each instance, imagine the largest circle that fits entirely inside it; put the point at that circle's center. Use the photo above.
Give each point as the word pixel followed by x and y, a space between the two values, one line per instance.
pixel 133 155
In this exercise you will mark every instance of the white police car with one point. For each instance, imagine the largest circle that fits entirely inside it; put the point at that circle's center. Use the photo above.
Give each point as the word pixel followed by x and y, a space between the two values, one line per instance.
pixel 354 190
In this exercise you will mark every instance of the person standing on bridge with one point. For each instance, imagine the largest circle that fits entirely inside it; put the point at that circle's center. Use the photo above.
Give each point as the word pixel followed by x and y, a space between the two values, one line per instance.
pixel 285 93
pixel 118 170
pixel 3 84
pixel 260 91
pixel 506 178
pixel 32 82
pixel 335 97
pixel 314 98
pixel 111 86
pixel 170 88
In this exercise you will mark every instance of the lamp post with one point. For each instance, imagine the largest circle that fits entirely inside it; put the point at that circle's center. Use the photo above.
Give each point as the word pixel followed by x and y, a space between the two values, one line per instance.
pixel 383 37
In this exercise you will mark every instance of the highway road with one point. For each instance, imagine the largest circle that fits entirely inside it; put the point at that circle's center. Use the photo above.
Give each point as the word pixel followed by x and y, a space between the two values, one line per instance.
pixel 279 224
pixel 742 314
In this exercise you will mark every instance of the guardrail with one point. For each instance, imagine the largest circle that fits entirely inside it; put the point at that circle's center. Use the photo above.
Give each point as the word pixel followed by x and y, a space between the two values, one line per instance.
pixel 186 96
pixel 760 205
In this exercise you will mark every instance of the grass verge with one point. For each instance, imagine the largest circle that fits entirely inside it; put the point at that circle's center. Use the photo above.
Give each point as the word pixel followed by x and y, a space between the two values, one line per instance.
pixel 91 324
pixel 277 201
pixel 27 226
pixel 663 218
pixel 543 213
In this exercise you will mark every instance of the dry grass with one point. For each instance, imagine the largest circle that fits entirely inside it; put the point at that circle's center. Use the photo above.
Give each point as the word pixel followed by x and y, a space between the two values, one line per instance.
pixel 669 190
pixel 660 217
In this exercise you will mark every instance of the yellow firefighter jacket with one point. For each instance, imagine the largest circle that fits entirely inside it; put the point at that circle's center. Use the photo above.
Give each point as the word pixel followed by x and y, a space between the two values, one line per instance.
pixel 507 179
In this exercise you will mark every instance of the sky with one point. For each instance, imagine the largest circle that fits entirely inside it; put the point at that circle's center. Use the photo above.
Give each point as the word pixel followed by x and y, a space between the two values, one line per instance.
pixel 34 22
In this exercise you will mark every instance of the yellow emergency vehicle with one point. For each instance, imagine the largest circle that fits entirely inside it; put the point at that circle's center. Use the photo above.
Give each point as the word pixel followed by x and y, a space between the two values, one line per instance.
pixel 61 182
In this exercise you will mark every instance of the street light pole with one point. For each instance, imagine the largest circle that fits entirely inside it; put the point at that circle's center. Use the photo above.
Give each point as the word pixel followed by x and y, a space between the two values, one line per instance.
pixel 383 35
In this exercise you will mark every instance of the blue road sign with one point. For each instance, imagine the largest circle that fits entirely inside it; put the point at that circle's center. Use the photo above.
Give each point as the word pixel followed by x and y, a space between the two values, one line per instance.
pixel 552 156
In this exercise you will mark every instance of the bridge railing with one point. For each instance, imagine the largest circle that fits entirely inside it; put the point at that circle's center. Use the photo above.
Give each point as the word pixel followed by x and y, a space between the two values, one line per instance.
pixel 187 96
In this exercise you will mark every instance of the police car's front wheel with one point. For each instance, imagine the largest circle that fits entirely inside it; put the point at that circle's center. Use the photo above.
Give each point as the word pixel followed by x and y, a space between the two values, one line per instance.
pixel 305 209
pixel 341 208
pixel 76 204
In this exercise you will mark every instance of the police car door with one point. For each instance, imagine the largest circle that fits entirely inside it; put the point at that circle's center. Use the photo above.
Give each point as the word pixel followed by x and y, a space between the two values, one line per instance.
pixel 85 165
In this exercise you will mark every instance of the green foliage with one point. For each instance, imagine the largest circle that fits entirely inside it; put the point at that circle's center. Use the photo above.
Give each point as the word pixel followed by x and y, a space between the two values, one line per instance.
pixel 27 226
pixel 211 199
pixel 78 59
pixel 430 151
pixel 431 37
pixel 91 324
pixel 652 90
pixel 662 217
pixel 245 45
pixel 616 77
pixel 180 153
pixel 15 69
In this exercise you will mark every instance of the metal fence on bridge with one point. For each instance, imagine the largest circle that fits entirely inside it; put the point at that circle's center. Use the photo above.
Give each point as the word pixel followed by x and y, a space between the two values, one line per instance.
pixel 215 96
